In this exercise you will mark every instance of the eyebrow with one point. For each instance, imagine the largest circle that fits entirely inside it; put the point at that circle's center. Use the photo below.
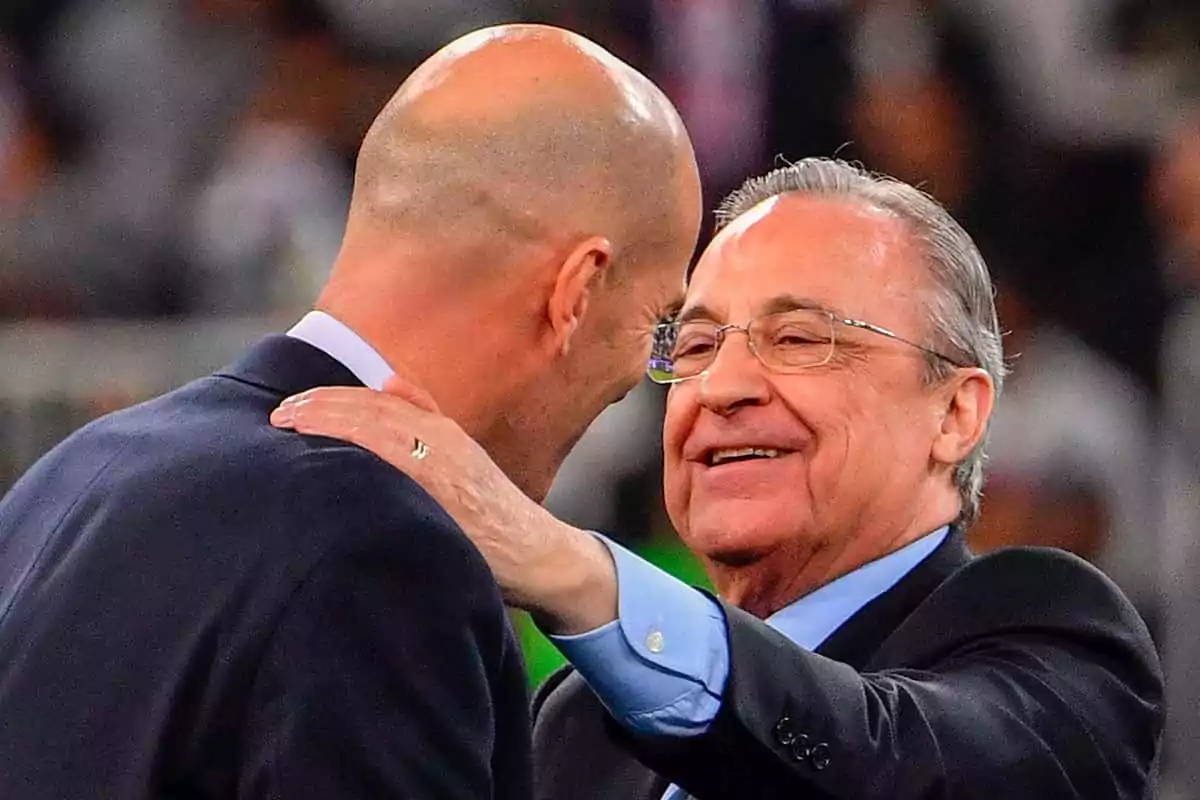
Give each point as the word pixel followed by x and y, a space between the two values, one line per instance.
pixel 778 304
pixel 698 311
pixel 671 309
pixel 782 303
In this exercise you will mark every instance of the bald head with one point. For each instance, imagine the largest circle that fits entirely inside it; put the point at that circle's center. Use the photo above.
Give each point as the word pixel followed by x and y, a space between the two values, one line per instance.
pixel 528 133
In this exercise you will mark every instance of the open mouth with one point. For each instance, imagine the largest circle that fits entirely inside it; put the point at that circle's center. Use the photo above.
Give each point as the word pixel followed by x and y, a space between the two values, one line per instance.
pixel 730 455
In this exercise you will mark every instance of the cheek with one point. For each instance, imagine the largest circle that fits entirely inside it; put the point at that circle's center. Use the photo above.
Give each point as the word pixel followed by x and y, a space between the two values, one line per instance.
pixel 849 448
pixel 680 416
pixel 864 450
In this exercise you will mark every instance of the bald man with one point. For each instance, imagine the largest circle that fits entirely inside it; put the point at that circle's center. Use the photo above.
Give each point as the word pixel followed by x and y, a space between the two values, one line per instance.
pixel 195 604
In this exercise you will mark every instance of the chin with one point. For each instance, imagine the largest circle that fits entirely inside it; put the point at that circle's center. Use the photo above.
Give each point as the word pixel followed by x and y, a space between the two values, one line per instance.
pixel 738 539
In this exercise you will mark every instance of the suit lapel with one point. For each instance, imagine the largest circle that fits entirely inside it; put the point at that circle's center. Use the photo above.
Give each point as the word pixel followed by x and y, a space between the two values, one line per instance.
pixel 287 366
pixel 860 636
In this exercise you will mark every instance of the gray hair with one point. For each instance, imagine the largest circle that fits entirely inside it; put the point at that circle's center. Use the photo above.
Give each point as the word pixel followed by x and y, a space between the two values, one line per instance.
pixel 962 307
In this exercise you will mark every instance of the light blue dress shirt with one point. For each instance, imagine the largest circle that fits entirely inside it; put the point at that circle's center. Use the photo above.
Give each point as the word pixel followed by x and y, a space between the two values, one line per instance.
pixel 661 666
pixel 336 340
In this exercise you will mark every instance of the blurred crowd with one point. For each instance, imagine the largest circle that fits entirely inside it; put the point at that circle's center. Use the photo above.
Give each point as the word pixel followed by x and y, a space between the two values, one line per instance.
pixel 174 158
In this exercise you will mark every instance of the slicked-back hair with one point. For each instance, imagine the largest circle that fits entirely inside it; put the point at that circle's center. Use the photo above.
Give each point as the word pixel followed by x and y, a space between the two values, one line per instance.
pixel 961 309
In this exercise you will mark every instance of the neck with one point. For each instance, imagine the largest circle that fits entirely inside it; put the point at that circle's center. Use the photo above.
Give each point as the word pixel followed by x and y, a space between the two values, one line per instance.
pixel 516 444
pixel 770 583
pixel 446 340
pixel 427 339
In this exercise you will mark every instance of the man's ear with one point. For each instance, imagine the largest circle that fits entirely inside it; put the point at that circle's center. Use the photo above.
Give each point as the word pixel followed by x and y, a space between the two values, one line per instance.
pixel 968 401
pixel 577 277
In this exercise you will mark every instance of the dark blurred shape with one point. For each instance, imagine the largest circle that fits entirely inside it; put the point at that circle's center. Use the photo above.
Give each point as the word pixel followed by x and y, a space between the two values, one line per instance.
pixel 1072 459
pixel 410 29
pixel 1175 198
pixel 927 108
pixel 154 83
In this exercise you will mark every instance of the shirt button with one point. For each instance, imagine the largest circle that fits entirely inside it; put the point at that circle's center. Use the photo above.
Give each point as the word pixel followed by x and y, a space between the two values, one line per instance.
pixel 655 642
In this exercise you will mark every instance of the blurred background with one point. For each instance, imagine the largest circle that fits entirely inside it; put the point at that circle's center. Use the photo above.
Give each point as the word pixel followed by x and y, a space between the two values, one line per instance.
pixel 174 175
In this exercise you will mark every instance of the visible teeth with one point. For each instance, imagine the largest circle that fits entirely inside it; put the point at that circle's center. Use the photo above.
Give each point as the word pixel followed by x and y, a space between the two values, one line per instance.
pixel 727 454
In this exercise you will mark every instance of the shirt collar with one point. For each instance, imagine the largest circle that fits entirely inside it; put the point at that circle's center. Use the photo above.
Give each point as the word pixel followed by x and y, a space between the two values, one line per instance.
pixel 337 341
pixel 810 620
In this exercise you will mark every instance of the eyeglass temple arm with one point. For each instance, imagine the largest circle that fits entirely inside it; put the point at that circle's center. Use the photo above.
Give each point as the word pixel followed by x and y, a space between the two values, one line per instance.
pixel 858 323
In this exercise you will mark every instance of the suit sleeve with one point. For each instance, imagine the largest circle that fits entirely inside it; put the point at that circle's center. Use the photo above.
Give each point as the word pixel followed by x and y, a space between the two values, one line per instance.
pixel 1030 677
pixel 380 678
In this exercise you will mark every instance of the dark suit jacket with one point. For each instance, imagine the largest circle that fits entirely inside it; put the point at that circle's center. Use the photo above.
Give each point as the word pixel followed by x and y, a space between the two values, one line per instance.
pixel 196 605
pixel 1022 674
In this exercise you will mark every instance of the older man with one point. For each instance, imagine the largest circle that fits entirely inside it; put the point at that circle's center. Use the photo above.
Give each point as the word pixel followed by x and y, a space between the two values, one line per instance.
pixel 196 604
pixel 833 369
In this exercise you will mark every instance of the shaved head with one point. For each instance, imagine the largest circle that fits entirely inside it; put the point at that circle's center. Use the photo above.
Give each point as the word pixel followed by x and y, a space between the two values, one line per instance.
pixel 523 133
pixel 525 199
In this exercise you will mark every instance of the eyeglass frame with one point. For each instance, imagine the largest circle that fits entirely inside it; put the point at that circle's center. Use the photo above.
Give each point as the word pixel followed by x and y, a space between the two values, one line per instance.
pixel 720 331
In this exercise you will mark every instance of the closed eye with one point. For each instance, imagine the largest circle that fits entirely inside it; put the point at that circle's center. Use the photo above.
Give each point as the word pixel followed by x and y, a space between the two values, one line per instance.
pixel 693 349
pixel 792 336
pixel 799 339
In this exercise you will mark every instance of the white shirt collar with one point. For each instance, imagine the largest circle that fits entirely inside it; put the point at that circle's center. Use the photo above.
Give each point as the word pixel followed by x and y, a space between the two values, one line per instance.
pixel 337 341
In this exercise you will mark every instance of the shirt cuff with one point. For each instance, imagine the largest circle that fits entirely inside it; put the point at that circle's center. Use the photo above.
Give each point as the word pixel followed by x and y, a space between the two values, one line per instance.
pixel 661 667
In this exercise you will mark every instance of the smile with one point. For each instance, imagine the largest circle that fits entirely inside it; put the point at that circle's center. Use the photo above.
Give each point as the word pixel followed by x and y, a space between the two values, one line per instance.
pixel 734 454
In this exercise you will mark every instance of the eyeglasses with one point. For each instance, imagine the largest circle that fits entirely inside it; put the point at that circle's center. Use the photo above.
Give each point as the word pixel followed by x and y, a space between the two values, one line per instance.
pixel 786 342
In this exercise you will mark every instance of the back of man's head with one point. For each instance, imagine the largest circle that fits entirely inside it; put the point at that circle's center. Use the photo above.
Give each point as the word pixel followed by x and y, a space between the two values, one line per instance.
pixel 521 194
pixel 520 134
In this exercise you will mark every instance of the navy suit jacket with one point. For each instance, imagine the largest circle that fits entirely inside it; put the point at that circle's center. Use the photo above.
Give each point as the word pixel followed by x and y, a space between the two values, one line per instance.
pixel 1019 675
pixel 194 604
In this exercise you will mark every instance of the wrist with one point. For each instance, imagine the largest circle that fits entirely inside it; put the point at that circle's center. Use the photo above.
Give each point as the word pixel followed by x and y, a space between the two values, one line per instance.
pixel 579 583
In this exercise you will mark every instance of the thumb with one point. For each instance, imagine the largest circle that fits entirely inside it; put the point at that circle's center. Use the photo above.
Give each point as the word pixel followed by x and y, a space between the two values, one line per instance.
pixel 406 389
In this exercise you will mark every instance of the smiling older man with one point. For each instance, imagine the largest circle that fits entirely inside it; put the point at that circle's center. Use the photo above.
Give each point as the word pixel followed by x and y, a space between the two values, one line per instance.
pixel 833 369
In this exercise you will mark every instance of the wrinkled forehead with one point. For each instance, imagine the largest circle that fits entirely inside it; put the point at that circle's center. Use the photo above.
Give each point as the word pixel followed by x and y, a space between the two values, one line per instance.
pixel 841 254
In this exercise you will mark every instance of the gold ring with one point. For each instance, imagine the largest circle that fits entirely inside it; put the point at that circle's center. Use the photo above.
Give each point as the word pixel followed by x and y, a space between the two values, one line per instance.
pixel 420 449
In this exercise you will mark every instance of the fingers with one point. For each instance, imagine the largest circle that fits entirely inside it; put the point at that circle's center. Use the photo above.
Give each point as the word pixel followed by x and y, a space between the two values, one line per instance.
pixel 314 404
pixel 383 424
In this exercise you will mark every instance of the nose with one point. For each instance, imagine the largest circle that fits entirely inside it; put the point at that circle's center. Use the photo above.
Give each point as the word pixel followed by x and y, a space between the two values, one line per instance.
pixel 735 378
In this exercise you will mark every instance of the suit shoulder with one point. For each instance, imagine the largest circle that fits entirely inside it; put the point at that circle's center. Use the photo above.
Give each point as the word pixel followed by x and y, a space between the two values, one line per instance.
pixel 374 508
pixel 1037 588
pixel 358 485
pixel 1040 574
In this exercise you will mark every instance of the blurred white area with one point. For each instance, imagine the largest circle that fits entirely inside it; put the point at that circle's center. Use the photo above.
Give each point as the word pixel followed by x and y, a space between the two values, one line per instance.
pixel 1060 69
pixel 154 82
pixel 268 224
pixel 58 377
